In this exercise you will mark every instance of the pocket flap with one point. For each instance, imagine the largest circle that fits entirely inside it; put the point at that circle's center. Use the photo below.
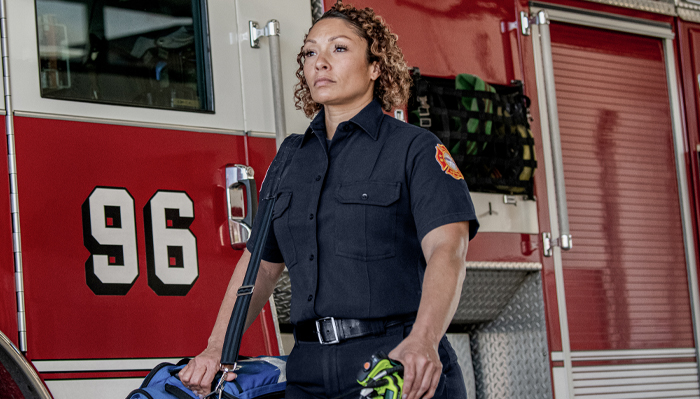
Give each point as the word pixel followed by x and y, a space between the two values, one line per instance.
pixel 281 205
pixel 369 193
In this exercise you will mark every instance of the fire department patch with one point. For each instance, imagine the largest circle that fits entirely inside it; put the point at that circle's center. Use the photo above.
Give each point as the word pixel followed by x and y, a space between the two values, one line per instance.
pixel 448 165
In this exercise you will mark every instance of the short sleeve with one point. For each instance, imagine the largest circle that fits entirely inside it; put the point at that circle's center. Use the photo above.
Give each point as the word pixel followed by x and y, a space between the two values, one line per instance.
pixel 271 252
pixel 439 194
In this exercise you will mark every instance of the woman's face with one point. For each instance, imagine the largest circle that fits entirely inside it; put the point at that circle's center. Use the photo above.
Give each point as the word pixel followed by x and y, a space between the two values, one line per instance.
pixel 335 65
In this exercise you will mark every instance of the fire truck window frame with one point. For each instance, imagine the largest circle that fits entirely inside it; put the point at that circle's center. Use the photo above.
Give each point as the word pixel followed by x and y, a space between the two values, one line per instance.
pixel 153 54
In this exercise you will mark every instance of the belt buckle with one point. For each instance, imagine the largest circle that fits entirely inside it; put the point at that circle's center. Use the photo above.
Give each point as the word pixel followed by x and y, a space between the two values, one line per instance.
pixel 320 335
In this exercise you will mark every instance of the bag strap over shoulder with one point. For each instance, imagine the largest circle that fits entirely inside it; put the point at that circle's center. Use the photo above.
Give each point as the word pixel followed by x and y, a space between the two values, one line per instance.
pixel 236 325
pixel 280 165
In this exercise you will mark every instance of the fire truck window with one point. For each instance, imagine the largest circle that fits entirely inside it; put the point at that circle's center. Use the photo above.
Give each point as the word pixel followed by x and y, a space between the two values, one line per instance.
pixel 131 52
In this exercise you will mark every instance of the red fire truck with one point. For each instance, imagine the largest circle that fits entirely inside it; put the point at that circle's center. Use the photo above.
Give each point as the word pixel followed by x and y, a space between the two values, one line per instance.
pixel 135 132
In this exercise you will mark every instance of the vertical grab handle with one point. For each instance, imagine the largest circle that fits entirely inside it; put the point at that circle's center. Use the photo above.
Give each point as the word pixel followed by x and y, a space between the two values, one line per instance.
pixel 241 203
pixel 564 240
pixel 272 32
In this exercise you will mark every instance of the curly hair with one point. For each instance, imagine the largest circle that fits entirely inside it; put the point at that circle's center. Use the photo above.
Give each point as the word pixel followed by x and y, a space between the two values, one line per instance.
pixel 393 85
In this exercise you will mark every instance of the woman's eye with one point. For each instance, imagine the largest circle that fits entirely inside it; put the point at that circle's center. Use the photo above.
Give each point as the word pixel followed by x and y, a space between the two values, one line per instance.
pixel 340 48
pixel 308 53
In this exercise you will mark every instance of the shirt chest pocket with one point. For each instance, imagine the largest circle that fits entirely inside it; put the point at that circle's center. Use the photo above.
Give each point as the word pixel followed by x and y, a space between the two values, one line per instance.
pixel 366 220
pixel 280 224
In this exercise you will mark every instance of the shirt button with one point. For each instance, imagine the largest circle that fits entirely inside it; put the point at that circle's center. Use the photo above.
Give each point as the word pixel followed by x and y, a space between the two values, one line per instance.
pixel 310 298
pixel 365 196
pixel 311 257
pixel 311 216
pixel 318 177
pixel 347 128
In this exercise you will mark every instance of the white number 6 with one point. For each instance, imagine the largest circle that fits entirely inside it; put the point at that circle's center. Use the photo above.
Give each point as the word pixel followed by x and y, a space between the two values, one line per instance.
pixel 171 248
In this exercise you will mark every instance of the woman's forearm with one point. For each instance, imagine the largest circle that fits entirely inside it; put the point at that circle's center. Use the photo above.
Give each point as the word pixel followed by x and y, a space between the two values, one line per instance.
pixel 264 285
pixel 445 250
pixel 442 285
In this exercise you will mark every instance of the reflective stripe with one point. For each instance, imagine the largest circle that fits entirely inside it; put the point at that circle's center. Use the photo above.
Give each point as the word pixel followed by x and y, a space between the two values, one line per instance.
pixel 73 365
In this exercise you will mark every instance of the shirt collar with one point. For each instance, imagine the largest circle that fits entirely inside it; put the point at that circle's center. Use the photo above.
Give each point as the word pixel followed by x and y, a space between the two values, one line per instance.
pixel 368 120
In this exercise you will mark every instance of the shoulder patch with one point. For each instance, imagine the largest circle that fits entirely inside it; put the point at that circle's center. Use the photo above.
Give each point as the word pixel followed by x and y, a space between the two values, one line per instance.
pixel 447 164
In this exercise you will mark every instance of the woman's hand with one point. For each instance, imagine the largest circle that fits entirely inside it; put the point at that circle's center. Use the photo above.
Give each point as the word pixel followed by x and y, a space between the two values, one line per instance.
pixel 445 250
pixel 421 367
pixel 199 373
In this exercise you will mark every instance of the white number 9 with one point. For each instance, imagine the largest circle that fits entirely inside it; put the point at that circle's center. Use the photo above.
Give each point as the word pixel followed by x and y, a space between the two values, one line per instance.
pixel 109 233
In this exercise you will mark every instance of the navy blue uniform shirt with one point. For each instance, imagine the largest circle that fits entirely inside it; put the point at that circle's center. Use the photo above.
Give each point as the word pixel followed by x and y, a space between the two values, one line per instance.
pixel 351 214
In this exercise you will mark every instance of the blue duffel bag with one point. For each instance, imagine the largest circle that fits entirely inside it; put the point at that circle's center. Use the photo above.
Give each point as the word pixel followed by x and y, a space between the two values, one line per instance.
pixel 262 377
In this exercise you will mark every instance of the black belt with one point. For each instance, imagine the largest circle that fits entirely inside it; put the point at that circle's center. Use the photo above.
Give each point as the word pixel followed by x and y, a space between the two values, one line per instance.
pixel 329 330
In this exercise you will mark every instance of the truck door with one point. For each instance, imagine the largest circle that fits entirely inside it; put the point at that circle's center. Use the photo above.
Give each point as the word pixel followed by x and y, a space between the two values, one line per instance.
pixel 125 117
pixel 625 282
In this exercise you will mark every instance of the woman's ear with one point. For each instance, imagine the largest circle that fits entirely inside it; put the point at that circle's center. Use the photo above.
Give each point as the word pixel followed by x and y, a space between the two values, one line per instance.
pixel 375 71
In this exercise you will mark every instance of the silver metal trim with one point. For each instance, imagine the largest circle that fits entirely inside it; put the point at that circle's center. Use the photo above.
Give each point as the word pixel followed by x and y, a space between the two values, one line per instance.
pixel 683 194
pixel 12 169
pixel 504 265
pixel 554 136
pixel 527 21
pixel 316 9
pixel 277 84
pixel 265 135
pixel 255 33
pixel 120 122
pixel 275 322
pixel 547 244
pixel 688 14
pixel 553 214
pixel 607 21
pixel 320 336
pixel 238 178
pixel 24 366
pixel 655 6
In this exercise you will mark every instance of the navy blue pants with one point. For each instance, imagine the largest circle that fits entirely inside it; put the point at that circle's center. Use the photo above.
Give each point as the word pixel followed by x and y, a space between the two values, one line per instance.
pixel 328 371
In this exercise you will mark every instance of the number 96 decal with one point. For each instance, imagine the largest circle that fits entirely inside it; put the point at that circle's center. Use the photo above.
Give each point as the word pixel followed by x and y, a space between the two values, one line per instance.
pixel 109 233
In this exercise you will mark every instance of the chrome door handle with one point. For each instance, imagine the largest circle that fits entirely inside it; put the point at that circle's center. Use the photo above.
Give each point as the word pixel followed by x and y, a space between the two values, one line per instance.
pixel 241 203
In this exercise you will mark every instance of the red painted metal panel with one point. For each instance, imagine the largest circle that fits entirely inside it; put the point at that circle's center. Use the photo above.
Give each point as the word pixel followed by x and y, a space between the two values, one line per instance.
pixel 8 309
pixel 59 164
pixel 611 9
pixel 446 37
pixel 689 55
pixel 626 281
pixel 504 247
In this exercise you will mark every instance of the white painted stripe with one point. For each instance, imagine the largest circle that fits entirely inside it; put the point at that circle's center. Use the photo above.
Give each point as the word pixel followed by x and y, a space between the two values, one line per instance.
pixel 634 353
pixel 636 374
pixel 689 393
pixel 672 353
pixel 666 380
pixel 68 366
pixel 635 388
pixel 115 388
pixel 125 122
pixel 635 381
pixel 560 382
pixel 626 367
